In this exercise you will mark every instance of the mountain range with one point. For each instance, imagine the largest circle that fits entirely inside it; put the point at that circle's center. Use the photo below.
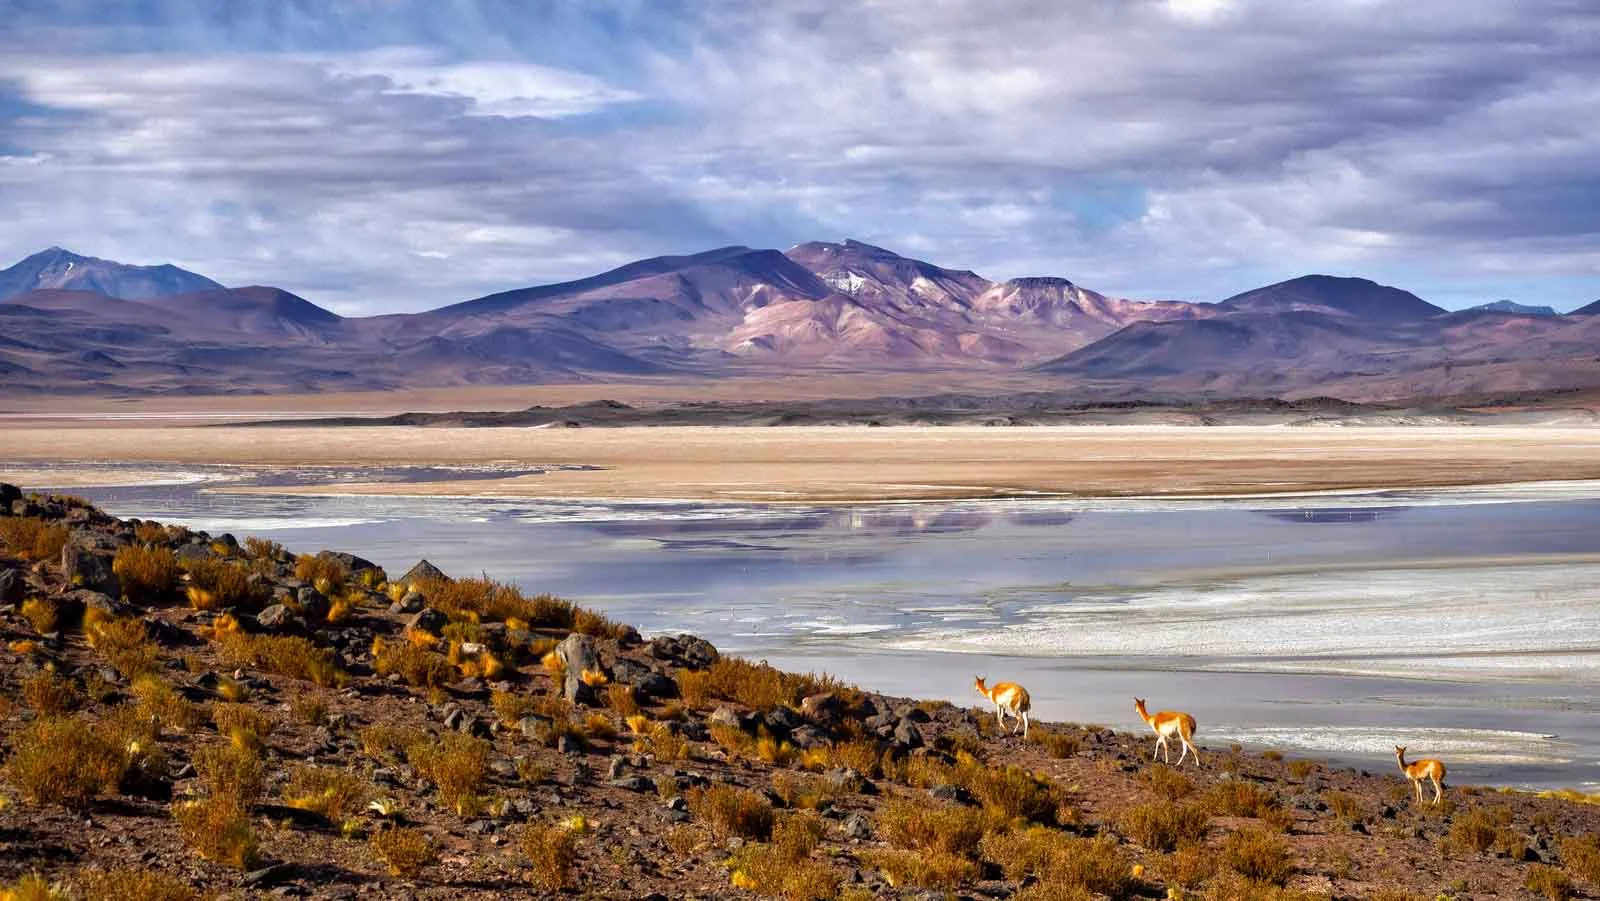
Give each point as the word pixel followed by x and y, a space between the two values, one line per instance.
pixel 76 324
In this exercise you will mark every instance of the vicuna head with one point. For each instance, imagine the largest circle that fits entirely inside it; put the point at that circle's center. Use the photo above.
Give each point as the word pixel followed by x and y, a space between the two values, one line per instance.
pixel 978 683
pixel 1138 704
pixel 1399 751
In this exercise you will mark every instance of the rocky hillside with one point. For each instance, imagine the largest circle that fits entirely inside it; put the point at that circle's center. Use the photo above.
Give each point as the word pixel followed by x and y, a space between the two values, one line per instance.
pixel 190 716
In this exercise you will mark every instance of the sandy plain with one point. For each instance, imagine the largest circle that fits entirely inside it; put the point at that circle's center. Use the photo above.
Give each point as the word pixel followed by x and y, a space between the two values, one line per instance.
pixel 843 464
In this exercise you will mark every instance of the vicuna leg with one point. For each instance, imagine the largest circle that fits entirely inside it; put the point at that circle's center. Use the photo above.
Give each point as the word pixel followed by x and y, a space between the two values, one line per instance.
pixel 1024 724
pixel 1417 784
pixel 1195 750
pixel 1437 791
pixel 999 715
pixel 1185 753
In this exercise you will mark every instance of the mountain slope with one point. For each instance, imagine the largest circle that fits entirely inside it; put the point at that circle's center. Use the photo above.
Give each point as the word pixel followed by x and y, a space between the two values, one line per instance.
pixel 59 269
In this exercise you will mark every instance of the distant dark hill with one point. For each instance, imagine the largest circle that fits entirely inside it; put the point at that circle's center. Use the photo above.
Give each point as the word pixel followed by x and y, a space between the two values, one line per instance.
pixel 1353 296
pixel 56 268
pixel 1587 309
pixel 258 311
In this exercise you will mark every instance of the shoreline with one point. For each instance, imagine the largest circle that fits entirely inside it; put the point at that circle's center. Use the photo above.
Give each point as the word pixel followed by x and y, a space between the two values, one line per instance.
pixel 845 465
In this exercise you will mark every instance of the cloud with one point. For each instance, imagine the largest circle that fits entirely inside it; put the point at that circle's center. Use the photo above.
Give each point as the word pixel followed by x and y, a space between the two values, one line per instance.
pixel 400 155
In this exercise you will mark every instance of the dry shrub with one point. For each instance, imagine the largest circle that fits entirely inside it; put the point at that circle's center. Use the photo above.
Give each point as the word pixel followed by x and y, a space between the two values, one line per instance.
pixel 1510 843
pixel 553 850
pixel 417 666
pixel 406 852
pixel 1258 854
pixel 483 599
pixel 1236 798
pixel 218 830
pixel 923 827
pixel 391 741
pixel 1300 769
pixel 1272 755
pixel 622 699
pixel 50 694
pixel 803 791
pixel 1548 882
pixel 230 774
pixel 159 701
pixel 262 549
pixel 694 687
pixel 865 757
pixel 286 655
pixel 125 643
pixel 590 622
pixel 147 532
pixel 32 887
pixel 309 709
pixel 131 885
pixel 783 869
pixel 145 571
pixel 232 690
pixel 1581 855
pixel 325 572
pixel 1014 792
pixel 215 584
pixel 511 706
pixel 762 686
pixel 244 725
pixel 1189 866
pixel 1163 826
pixel 1166 782
pixel 328 791
pixel 666 745
pixel 1057 744
pixel 134 730
pixel 1065 866
pixel 1346 806
pixel 32 538
pixel 42 614
pixel 927 870
pixel 1472 831
pixel 65 761
pixel 730 811
pixel 457 764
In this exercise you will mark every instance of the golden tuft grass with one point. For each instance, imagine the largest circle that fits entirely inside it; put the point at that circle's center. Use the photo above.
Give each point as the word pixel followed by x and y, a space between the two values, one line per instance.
pixel 783 868
pixel 32 538
pixel 1166 783
pixel 33 887
pixel 912 868
pixel 163 705
pixel 231 774
pixel 286 655
pixel 218 830
pixel 125 644
pixel 694 688
pixel 923 827
pixel 65 761
pixel 552 849
pixel 325 572
pixel 50 694
pixel 128 884
pixel 215 584
pixel 145 571
pixel 763 687
pixel 1473 831
pixel 1163 825
pixel 406 852
pixel 457 764
pixel 728 812
pixel 1259 855
pixel 329 792
pixel 1548 882
pixel 42 614
pixel 417 666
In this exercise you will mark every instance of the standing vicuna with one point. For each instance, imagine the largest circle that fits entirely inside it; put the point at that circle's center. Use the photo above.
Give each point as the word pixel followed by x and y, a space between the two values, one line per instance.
pixel 1008 697
pixel 1427 768
pixel 1168 723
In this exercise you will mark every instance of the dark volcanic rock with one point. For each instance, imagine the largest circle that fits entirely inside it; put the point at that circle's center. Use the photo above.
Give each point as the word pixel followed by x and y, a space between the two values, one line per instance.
pixel 9 494
pixel 423 571
pixel 429 620
pixel 86 569
pixel 577 652
pixel 684 650
pixel 11 585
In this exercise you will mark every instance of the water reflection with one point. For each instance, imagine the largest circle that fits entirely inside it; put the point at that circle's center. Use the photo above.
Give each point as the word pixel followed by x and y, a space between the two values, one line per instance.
pixel 1321 515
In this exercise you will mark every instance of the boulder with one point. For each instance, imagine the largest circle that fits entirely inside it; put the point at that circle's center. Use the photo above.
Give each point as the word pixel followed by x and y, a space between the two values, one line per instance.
pixel 577 653
pixel 906 735
pixel 428 620
pixel 313 604
pixel 646 681
pixel 86 569
pixel 277 618
pixel 410 603
pixel 684 650
pixel 9 494
pixel 11 585
pixel 824 708
pixel 808 737
pixel 351 561
pixel 422 572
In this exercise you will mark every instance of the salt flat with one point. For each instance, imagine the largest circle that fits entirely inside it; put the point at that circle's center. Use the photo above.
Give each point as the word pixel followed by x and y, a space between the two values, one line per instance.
pixel 843 464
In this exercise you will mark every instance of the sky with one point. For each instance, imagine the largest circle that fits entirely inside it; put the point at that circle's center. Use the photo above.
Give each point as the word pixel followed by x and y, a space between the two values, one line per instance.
pixel 394 155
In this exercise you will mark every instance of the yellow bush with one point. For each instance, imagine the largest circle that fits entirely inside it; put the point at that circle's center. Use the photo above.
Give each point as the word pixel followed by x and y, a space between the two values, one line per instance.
pixel 125 643
pixel 328 791
pixel 324 571
pixel 406 852
pixel 50 694
pixel 218 830
pixel 230 774
pixel 145 571
pixel 728 811
pixel 32 538
pixel 553 850
pixel 924 827
pixel 42 614
pixel 457 764
pixel 66 761
pixel 286 655
pixel 131 884
pixel 418 666
pixel 1258 854
pixel 214 584
pixel 927 870
pixel 1163 825
pixel 159 701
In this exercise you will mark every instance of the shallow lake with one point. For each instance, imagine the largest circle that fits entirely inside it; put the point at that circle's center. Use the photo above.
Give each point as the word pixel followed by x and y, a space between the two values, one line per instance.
pixel 1462 623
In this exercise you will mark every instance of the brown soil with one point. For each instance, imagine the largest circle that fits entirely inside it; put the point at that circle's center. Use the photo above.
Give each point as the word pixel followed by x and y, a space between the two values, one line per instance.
pixel 636 842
